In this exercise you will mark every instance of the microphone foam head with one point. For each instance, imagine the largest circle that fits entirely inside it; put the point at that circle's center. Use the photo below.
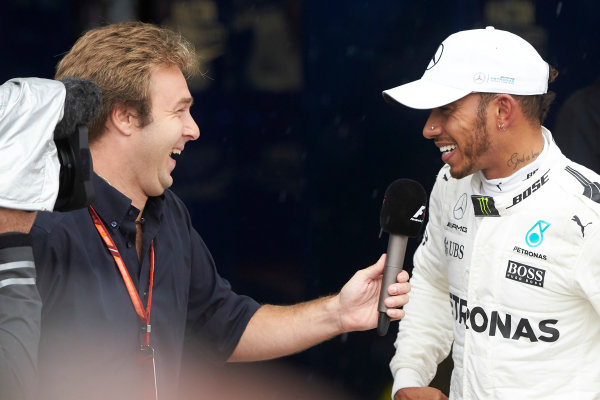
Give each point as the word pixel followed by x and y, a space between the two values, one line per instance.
pixel 82 102
pixel 403 208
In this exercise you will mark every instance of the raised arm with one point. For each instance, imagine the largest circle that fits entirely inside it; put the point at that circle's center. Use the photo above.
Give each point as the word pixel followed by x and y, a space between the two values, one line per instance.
pixel 276 331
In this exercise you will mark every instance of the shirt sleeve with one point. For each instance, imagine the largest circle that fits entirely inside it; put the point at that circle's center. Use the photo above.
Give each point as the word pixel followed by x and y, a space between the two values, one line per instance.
pixel 425 334
pixel 217 316
pixel 20 313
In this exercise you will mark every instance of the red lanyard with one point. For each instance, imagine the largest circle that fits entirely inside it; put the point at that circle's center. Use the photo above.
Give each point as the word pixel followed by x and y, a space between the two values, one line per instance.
pixel 143 314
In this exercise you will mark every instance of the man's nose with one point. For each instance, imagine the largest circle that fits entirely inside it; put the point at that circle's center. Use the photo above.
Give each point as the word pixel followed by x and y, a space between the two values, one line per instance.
pixel 432 126
pixel 191 129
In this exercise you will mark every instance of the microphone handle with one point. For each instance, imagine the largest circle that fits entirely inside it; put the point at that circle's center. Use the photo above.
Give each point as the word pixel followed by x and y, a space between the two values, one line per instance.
pixel 393 265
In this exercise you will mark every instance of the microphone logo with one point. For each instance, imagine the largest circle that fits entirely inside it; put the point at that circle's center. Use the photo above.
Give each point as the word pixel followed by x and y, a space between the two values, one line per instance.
pixel 419 215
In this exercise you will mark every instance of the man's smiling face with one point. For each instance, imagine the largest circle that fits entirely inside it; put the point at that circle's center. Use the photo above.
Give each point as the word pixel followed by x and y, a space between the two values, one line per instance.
pixel 171 127
pixel 460 132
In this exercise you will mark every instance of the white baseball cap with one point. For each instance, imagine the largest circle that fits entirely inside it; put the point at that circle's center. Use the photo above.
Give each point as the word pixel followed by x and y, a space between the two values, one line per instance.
pixel 478 60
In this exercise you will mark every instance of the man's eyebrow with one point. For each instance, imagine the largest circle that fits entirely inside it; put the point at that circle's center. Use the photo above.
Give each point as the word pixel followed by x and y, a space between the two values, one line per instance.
pixel 186 101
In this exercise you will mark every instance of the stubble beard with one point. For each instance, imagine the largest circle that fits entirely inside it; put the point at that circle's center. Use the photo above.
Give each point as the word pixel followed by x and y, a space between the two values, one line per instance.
pixel 476 147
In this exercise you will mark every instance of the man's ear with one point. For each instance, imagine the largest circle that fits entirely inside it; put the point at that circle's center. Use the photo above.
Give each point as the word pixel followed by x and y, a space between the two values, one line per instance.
pixel 505 109
pixel 124 119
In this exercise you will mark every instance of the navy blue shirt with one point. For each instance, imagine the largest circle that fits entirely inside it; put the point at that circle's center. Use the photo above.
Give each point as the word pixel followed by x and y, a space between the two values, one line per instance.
pixel 90 331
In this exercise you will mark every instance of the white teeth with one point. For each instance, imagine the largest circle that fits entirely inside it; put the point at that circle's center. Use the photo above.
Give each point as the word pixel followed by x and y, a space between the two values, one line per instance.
pixel 175 151
pixel 445 149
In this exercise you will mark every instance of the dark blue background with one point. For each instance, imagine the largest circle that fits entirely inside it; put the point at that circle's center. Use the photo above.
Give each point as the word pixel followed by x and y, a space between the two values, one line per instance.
pixel 286 187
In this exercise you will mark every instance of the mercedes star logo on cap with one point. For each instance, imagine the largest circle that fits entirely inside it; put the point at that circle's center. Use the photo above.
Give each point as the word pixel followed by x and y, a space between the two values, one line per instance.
pixel 479 77
pixel 436 57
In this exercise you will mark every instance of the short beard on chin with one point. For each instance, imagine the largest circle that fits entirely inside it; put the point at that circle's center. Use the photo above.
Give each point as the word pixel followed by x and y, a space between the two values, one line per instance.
pixel 460 174
pixel 465 171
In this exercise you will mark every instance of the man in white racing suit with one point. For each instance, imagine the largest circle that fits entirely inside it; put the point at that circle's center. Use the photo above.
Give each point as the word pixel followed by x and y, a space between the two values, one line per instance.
pixel 508 272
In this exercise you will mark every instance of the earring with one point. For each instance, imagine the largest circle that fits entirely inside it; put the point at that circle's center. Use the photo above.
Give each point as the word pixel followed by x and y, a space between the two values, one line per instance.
pixel 432 127
pixel 501 126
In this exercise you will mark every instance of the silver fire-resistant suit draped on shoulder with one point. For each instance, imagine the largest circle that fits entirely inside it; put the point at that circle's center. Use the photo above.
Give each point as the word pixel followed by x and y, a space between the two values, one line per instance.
pixel 30 108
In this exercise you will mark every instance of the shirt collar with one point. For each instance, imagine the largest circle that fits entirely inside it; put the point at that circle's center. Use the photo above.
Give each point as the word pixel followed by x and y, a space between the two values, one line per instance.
pixel 499 186
pixel 116 209
pixel 552 161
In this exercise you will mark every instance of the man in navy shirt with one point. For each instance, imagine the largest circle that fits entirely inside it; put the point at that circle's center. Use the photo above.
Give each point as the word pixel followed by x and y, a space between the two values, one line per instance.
pixel 122 281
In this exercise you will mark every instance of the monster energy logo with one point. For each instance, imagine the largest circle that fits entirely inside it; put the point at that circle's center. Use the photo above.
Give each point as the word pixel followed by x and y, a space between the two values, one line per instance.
pixel 484 206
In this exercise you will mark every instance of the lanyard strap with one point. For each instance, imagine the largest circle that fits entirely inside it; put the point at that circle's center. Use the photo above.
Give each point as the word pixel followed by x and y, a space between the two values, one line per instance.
pixel 143 314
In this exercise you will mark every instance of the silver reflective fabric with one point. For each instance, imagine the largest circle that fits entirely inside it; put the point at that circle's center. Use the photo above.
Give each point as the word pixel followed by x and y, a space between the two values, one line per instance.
pixel 30 108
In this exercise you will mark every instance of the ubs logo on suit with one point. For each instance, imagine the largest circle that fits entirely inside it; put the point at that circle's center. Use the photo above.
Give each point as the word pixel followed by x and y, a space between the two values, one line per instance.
pixel 454 249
